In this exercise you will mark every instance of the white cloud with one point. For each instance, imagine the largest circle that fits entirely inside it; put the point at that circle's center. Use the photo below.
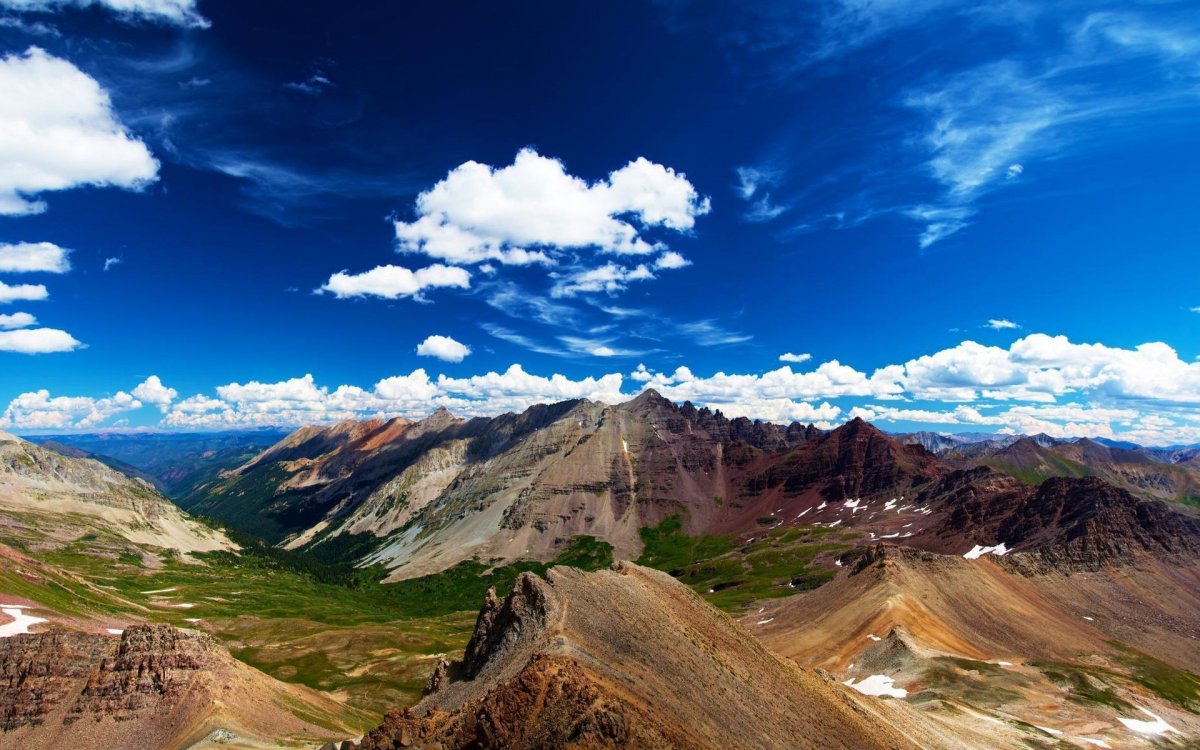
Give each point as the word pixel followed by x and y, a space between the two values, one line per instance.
pixel 301 400
pixel 1001 324
pixel 985 124
pixel 152 391
pixel 610 278
pixel 443 348
pixel 525 212
pixel 17 320
pixel 1043 368
pixel 752 185
pixel 110 262
pixel 671 260
pixel 392 282
pixel 28 257
pixel 178 12
pixel 58 131
pixel 38 410
pixel 15 292
pixel 37 341
pixel 794 358
pixel 1039 383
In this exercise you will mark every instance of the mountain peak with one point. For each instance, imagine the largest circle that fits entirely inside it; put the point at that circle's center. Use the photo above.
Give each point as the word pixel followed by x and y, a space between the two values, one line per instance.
pixel 649 398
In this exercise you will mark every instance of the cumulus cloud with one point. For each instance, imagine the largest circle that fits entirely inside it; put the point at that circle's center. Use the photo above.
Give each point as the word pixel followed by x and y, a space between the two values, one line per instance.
pixel 520 213
pixel 393 282
pixel 38 410
pixel 17 320
pixel 671 260
pixel 302 401
pixel 443 348
pixel 176 12
pixel 37 341
pixel 1039 383
pixel 1001 324
pixel 29 257
pixel 794 358
pixel 1043 368
pixel 58 131
pixel 14 292
pixel 152 391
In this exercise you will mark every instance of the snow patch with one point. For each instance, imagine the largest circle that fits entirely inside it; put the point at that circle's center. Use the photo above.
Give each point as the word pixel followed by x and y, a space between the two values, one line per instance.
pixel 1097 743
pixel 162 591
pixel 978 551
pixel 1048 730
pixel 877 685
pixel 837 563
pixel 114 631
pixel 1158 726
pixel 822 506
pixel 764 622
pixel 874 637
pixel 20 624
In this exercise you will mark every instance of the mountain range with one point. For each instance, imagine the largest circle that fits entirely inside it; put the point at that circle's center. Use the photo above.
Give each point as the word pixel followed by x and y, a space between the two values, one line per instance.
pixel 842 588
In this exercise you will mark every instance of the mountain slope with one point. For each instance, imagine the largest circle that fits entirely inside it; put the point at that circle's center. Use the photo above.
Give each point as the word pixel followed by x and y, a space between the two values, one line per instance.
pixel 1051 649
pixel 78 496
pixel 614 659
pixel 1134 470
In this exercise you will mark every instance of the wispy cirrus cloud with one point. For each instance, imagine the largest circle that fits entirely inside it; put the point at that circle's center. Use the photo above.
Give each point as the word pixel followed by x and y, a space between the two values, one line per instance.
pixel 175 12
pixel 986 125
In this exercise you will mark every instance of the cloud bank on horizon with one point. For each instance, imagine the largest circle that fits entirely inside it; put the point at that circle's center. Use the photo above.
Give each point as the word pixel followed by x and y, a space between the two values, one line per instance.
pixel 1039 384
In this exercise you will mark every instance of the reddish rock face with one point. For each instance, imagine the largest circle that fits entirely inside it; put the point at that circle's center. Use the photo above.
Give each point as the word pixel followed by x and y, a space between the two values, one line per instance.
pixel 1070 524
pixel 148 668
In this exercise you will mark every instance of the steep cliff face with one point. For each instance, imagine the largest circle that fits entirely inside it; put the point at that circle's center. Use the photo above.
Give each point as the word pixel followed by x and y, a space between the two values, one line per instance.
pixel 152 687
pixel 148 670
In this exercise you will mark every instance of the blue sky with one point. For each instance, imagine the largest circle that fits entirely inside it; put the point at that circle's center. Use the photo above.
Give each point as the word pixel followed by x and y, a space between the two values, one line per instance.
pixel 223 214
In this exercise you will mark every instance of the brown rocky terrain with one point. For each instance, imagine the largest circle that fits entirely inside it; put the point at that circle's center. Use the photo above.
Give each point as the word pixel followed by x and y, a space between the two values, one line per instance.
pixel 151 687
pixel 630 658
pixel 989 634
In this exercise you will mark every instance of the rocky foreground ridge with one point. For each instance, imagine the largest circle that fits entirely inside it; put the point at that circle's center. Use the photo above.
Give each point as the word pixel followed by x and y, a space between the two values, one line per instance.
pixel 615 659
